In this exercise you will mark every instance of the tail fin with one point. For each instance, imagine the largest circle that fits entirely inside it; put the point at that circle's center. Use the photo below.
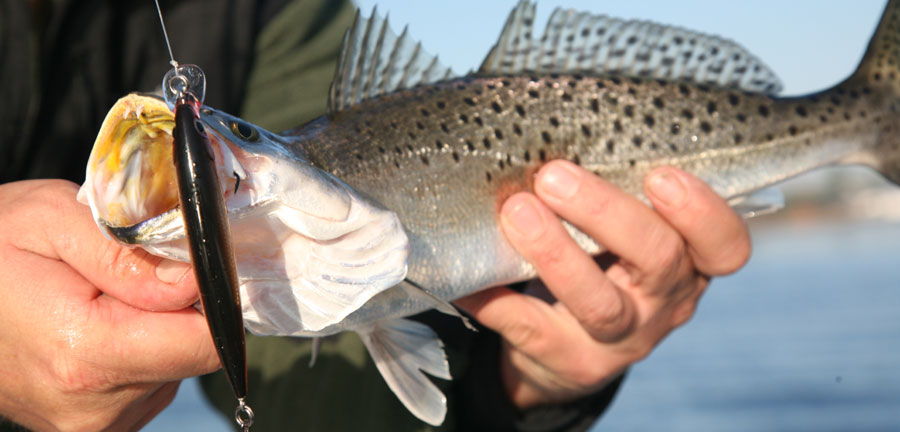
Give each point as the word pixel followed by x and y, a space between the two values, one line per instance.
pixel 880 71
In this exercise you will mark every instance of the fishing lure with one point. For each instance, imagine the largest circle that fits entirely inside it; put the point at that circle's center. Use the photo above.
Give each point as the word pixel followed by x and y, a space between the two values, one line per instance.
pixel 206 223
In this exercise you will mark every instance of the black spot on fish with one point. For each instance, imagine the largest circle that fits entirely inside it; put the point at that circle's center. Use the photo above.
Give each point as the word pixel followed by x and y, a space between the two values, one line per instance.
pixel 527 156
pixel 520 110
pixel 479 121
pixel 411 135
pixel 706 127
pixel 617 125
pixel 517 129
pixel 546 137
pixel 498 133
pixel 854 94
pixel 610 146
pixel 684 90
pixel 595 105
pixel 463 118
pixel 687 114
pixel 439 145
pixel 497 108
pixel 441 104
pixel 487 175
pixel 600 84
pixel 673 147
pixel 846 116
pixel 487 143
pixel 629 110
pixel 425 160
pixel 711 107
pixel 425 112
pixel 649 120
pixel 455 157
pixel 637 141
pixel 445 128
pixel 769 137
pixel 741 117
pixel 586 131
pixel 576 160
pixel 658 102
pixel 632 162
pixel 420 125
pixel 763 110
pixel 733 99
pixel 501 164
pixel 675 128
pixel 738 138
pixel 823 119
pixel 792 130
pixel 542 155
pixel 567 97
pixel 533 93
pixel 470 146
pixel 801 111
pixel 469 101
pixel 554 122
pixel 616 80
pixel 381 149
pixel 398 151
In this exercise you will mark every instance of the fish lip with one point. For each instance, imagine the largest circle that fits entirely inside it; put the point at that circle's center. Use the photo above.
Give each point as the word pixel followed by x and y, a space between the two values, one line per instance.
pixel 164 227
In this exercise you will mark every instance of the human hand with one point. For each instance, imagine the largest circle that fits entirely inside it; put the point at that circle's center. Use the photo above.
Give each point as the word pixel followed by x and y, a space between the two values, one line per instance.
pixel 598 322
pixel 93 335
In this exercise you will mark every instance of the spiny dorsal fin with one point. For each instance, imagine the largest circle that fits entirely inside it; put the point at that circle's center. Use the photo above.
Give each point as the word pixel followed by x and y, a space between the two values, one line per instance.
pixel 579 42
pixel 375 61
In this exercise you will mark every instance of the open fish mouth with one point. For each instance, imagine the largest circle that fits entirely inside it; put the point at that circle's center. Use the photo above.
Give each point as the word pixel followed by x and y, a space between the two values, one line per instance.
pixel 130 178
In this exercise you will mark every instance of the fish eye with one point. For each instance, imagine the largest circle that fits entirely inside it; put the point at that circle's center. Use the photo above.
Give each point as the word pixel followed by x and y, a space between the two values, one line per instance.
pixel 244 131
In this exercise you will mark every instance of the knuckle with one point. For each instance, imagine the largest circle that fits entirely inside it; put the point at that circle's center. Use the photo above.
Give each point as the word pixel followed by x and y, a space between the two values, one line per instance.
pixel 668 252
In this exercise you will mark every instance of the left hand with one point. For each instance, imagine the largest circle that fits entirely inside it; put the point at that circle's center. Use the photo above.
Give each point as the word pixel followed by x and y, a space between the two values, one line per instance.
pixel 599 322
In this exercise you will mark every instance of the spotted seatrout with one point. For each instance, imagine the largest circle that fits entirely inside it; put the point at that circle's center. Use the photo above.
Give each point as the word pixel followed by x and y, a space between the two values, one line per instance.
pixel 388 205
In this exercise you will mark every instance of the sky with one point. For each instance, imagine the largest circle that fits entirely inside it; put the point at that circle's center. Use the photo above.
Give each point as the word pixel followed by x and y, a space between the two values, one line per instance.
pixel 810 44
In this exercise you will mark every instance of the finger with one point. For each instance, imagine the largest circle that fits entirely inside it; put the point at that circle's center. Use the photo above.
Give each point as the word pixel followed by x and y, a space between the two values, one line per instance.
pixel 527 328
pixel 717 238
pixel 130 274
pixel 617 220
pixel 158 346
pixel 154 404
pixel 568 272
pixel 114 342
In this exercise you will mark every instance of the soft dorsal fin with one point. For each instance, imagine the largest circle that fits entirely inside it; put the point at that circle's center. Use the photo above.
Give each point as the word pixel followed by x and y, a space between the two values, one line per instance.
pixel 375 61
pixel 579 42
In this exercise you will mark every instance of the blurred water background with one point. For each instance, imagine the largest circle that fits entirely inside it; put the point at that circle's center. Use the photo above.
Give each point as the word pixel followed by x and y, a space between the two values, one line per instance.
pixel 807 336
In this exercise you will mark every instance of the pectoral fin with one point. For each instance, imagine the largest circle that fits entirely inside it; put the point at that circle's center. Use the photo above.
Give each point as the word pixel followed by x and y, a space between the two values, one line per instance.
pixel 402 349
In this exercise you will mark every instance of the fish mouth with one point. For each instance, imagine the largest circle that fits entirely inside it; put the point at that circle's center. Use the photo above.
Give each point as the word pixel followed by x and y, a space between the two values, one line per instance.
pixel 130 181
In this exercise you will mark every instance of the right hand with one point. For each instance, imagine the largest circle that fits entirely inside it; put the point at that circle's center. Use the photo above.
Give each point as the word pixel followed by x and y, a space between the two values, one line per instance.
pixel 93 335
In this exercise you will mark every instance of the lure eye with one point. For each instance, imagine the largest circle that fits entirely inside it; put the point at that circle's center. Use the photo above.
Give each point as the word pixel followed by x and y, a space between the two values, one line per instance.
pixel 244 131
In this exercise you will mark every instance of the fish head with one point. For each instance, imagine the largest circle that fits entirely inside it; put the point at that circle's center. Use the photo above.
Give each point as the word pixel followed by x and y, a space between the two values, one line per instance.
pixel 131 186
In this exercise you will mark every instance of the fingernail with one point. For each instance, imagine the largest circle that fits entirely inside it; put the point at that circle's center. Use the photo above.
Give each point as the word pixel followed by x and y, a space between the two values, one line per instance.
pixel 559 181
pixel 667 188
pixel 170 271
pixel 525 219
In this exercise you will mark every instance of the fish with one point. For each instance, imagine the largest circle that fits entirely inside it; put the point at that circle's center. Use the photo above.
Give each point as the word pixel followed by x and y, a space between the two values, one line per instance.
pixel 387 205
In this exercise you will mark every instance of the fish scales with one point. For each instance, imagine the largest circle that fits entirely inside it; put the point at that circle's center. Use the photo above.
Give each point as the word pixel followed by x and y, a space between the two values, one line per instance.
pixel 445 155
pixel 388 205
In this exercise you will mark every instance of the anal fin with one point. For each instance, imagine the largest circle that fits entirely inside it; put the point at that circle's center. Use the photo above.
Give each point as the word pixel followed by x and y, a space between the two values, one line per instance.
pixel 402 350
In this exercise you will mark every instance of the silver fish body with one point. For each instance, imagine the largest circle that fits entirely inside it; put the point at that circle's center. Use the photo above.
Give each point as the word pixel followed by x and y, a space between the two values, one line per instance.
pixel 388 205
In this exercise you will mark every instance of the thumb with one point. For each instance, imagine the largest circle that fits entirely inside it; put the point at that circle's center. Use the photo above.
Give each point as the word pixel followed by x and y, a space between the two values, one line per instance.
pixel 130 274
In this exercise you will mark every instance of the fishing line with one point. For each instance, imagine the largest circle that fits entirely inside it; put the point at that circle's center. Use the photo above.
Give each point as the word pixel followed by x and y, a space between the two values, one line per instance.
pixel 162 23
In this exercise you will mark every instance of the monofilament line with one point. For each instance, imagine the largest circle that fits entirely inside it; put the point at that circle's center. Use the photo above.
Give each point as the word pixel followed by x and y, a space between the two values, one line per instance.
pixel 162 22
